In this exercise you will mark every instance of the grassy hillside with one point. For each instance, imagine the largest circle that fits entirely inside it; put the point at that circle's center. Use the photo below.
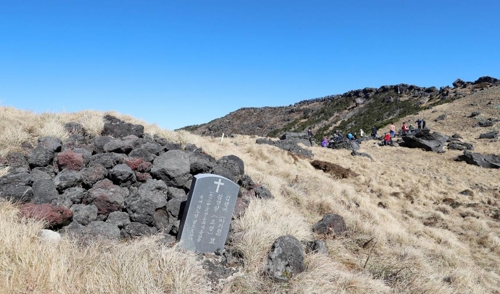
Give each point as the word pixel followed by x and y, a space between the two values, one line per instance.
pixel 411 226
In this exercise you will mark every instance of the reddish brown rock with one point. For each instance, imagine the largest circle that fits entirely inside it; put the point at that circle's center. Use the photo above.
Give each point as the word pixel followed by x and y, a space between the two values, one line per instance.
pixel 142 177
pixel 107 197
pixel 134 162
pixel 55 216
pixel 70 160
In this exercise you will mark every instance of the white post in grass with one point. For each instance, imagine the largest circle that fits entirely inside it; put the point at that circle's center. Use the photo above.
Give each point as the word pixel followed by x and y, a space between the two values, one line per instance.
pixel 222 138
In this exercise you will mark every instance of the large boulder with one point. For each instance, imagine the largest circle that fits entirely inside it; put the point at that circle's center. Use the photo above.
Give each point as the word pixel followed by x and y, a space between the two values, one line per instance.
pixel 483 160
pixel 117 128
pixel 172 167
pixel 285 259
pixel 426 140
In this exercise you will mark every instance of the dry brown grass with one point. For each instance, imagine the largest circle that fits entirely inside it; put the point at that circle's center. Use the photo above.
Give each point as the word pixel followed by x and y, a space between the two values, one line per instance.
pixel 404 211
pixel 29 265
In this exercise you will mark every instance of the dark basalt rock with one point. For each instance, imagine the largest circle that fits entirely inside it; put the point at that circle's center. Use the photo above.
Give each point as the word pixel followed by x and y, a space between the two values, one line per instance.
pixel 489 135
pixel 426 140
pixel 330 224
pixel 482 160
pixel 460 146
pixel 117 128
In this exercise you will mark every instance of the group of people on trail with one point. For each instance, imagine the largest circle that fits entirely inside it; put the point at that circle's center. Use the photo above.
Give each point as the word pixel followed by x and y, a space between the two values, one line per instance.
pixel 386 139
pixel 405 130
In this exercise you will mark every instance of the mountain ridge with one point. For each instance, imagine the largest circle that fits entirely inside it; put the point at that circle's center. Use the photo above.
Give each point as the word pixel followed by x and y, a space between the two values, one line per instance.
pixel 350 111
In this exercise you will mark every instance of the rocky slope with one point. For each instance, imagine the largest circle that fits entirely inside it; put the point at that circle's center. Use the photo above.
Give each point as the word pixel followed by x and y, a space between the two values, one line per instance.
pixel 354 110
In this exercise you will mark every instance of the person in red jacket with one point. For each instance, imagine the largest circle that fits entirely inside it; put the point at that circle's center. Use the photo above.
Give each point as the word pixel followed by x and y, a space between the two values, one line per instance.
pixel 387 139
pixel 405 128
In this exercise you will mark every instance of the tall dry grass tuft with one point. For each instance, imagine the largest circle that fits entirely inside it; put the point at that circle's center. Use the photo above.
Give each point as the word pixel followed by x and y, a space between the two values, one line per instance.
pixel 28 264
pixel 52 125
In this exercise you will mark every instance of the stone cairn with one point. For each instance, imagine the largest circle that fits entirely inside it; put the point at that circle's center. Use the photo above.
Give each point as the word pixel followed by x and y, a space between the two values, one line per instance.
pixel 122 184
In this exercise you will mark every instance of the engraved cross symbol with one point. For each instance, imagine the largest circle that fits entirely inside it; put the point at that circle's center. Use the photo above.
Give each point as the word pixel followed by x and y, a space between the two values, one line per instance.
pixel 219 183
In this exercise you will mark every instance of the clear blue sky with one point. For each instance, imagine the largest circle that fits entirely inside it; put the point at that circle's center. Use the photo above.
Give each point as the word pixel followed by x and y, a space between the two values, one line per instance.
pixel 177 63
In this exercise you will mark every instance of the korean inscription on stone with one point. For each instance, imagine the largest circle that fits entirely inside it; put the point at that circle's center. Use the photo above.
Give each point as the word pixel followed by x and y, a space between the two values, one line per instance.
pixel 207 214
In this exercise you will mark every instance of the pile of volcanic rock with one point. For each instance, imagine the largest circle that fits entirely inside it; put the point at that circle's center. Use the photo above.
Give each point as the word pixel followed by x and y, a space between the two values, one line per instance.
pixel 122 184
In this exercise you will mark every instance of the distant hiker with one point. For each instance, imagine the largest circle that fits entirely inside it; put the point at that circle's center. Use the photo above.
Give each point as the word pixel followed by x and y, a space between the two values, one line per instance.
pixel 423 123
pixel 310 136
pixel 412 129
pixel 361 133
pixel 419 123
pixel 324 143
pixel 405 128
pixel 392 129
pixel 350 136
pixel 374 133
pixel 387 139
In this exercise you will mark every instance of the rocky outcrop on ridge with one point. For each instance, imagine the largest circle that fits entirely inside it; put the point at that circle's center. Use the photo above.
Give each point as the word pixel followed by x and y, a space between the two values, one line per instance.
pixel 362 108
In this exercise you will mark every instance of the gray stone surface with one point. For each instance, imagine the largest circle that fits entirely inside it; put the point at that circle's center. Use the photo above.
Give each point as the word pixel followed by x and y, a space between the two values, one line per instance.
pixel 66 179
pixel 285 259
pixel 118 218
pixel 84 214
pixel 172 167
pixel 122 175
pixel 40 157
pixel 44 191
pixel 207 214
pixel 154 190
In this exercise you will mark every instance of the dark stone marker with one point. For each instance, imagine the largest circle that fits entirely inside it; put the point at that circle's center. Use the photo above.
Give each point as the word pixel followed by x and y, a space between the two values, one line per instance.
pixel 207 214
